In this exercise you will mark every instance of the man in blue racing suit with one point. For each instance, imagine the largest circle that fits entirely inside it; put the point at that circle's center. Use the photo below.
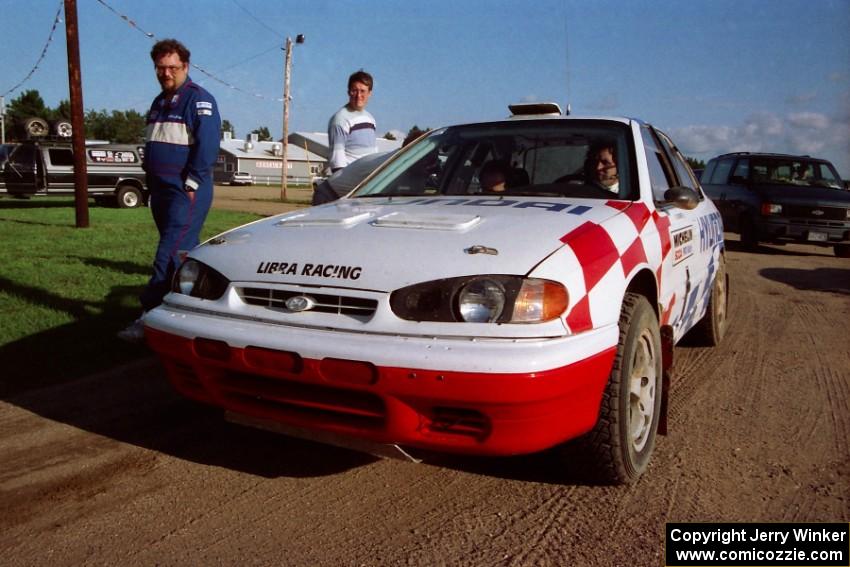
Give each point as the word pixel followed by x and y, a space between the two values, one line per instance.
pixel 182 142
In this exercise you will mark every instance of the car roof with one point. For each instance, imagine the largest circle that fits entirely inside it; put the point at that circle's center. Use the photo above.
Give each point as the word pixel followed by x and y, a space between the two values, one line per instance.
pixel 769 155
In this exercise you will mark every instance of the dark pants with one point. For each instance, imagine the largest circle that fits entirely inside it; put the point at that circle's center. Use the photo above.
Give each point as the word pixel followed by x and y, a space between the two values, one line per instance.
pixel 179 217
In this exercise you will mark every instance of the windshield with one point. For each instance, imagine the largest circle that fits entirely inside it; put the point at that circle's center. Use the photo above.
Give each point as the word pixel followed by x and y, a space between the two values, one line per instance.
pixel 791 171
pixel 561 158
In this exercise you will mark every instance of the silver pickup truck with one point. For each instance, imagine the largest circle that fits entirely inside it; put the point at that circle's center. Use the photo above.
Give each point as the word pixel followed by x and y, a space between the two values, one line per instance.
pixel 43 167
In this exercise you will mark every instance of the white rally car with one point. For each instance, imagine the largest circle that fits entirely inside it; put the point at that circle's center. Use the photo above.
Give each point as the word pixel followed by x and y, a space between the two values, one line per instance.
pixel 427 309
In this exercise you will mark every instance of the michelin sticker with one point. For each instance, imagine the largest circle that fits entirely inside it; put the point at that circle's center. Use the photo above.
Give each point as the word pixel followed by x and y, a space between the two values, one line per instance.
pixel 683 244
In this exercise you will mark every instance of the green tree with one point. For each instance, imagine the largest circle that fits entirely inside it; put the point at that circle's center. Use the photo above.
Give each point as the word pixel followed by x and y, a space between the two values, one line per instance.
pixel 63 111
pixel 414 133
pixel 263 134
pixel 119 126
pixel 226 126
pixel 695 163
pixel 29 104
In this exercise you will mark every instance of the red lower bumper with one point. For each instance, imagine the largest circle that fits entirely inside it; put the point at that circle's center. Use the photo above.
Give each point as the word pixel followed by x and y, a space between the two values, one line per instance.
pixel 480 413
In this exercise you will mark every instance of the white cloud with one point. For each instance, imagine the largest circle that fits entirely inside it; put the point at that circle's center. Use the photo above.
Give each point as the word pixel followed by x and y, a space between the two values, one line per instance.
pixel 810 133
pixel 802 98
pixel 809 120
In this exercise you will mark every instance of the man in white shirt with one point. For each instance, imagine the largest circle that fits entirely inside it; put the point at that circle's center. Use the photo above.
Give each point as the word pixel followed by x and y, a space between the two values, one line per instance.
pixel 351 131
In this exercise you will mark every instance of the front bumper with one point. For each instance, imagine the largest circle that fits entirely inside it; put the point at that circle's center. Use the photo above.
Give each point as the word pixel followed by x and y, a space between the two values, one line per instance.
pixel 804 231
pixel 458 409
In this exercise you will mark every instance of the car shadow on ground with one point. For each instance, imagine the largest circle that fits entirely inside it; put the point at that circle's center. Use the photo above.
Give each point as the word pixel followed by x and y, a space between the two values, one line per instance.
pixel 834 280
pixel 775 250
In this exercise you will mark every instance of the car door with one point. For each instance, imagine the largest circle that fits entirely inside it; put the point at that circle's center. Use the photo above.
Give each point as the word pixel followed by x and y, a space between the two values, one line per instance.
pixel 684 271
pixel 23 171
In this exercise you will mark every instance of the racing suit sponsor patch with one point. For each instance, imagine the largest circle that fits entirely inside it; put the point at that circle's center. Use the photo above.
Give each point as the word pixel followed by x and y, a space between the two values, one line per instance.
pixel 203 104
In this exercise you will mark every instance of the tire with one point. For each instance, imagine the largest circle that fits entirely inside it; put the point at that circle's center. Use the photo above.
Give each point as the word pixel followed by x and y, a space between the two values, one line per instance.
pixel 62 128
pixel 35 127
pixel 749 234
pixel 842 250
pixel 710 329
pixel 128 197
pixel 623 438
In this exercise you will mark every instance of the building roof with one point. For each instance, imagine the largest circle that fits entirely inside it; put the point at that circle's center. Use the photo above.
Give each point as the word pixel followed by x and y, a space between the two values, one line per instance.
pixel 251 149
pixel 317 142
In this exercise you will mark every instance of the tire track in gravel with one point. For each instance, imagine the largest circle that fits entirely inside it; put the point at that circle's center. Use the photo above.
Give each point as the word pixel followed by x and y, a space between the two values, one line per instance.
pixel 832 376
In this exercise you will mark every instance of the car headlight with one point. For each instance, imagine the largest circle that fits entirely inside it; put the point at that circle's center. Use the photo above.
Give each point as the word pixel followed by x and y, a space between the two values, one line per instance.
pixel 199 280
pixel 481 299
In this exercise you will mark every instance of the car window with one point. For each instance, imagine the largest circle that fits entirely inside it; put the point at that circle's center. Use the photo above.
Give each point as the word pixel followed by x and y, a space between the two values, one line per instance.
pixel 683 170
pixel 22 156
pixel 660 172
pixel 828 176
pixel 60 156
pixel 741 173
pixel 532 157
pixel 721 171
pixel 709 171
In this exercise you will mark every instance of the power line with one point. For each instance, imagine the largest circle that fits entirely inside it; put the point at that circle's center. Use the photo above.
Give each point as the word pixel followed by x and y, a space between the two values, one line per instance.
pixel 259 21
pixel 151 36
pixel 43 51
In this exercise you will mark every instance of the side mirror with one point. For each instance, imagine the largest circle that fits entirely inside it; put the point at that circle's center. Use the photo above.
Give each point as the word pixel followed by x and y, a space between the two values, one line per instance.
pixel 682 197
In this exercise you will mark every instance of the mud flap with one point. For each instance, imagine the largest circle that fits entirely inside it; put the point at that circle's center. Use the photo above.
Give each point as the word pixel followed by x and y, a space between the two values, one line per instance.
pixel 666 368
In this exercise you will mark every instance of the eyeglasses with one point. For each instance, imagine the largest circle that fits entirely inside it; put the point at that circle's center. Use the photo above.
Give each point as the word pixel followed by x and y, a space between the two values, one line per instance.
pixel 161 69
pixel 354 92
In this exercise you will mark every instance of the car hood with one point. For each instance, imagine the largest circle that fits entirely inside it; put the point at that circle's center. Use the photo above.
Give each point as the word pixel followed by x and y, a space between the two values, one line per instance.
pixel 824 196
pixel 383 244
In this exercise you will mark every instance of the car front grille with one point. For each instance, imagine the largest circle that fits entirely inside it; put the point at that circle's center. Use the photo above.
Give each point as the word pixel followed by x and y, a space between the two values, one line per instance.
pixel 359 307
pixel 816 213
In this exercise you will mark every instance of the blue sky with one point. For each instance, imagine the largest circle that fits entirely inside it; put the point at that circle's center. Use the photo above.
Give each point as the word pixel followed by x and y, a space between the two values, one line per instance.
pixel 717 75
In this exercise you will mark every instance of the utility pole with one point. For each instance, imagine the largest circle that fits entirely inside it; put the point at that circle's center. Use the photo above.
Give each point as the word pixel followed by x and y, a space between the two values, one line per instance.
pixel 78 135
pixel 2 120
pixel 287 72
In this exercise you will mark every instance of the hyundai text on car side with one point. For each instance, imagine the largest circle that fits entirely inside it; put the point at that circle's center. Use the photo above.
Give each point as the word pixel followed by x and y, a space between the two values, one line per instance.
pixel 425 310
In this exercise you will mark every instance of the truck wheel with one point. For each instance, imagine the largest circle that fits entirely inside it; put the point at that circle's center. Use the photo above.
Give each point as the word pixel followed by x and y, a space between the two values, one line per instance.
pixel 749 234
pixel 842 250
pixel 35 127
pixel 62 128
pixel 128 197
pixel 623 438
pixel 710 329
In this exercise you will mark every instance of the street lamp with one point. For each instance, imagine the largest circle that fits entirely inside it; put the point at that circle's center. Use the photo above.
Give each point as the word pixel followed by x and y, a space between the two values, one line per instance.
pixel 287 70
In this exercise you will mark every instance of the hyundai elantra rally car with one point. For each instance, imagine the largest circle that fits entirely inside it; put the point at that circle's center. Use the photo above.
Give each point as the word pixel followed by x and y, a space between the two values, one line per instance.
pixel 494 288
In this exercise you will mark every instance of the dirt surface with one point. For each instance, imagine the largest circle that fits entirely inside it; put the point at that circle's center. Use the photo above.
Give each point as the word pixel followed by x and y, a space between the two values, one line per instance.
pixel 260 199
pixel 116 469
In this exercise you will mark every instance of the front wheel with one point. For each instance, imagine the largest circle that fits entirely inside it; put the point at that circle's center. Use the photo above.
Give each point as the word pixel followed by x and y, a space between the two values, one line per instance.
pixel 623 438
pixel 128 197
pixel 710 329
pixel 842 250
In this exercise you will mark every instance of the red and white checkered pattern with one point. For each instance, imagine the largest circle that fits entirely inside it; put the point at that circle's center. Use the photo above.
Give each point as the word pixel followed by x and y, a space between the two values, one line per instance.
pixel 608 253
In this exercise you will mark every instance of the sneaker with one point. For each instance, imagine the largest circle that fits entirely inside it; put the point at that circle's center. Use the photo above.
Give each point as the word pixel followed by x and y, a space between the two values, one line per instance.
pixel 134 333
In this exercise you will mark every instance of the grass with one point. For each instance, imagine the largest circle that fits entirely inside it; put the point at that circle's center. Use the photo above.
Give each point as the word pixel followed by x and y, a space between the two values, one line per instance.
pixel 66 291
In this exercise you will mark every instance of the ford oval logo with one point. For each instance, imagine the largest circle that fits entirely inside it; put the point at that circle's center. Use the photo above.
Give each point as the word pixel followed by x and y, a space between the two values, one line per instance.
pixel 817 212
pixel 300 303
